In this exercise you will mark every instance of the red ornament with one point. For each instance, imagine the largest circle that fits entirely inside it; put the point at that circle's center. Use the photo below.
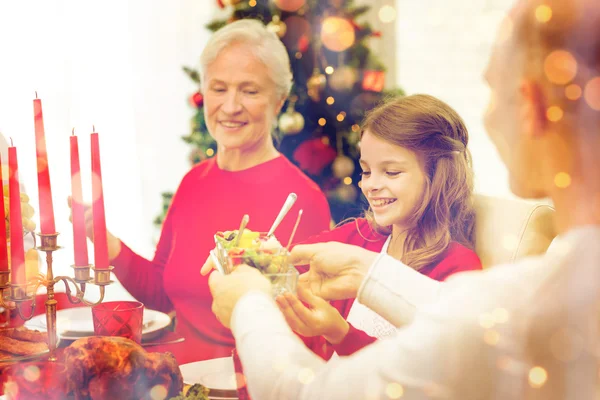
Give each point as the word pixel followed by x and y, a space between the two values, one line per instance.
pixel 303 44
pixel 373 81
pixel 313 155
pixel 197 100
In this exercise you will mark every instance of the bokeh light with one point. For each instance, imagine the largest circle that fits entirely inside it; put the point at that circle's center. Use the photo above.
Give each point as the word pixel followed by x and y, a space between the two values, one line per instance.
pixel 537 377
pixel 322 121
pixel 158 392
pixel 289 5
pixel 554 113
pixel 329 70
pixel 573 91
pixel 394 390
pixel 348 180
pixel 387 14
pixel 330 100
pixel 210 152
pixel 592 93
pixel 543 13
pixel 491 337
pixel 560 67
pixel 562 180
pixel 337 34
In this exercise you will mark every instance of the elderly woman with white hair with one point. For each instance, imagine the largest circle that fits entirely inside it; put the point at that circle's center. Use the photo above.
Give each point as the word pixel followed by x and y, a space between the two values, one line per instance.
pixel 246 78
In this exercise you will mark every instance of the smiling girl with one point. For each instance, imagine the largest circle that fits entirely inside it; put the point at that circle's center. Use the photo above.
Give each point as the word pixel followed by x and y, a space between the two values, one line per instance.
pixel 418 181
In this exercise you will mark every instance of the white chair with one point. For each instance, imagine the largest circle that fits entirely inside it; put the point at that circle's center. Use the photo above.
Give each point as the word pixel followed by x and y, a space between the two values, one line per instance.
pixel 508 230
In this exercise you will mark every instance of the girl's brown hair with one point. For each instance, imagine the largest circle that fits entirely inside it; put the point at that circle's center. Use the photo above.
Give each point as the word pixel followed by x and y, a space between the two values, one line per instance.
pixel 436 133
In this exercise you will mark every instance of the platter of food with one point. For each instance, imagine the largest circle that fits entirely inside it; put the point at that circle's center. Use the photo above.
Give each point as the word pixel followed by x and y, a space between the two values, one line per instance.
pixel 22 344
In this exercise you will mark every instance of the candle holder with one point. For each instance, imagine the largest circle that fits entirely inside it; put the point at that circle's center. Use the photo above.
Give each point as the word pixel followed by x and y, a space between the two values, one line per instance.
pixel 13 296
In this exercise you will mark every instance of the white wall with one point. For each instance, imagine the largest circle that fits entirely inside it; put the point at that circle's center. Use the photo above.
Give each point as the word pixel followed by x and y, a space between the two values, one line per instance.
pixel 442 49
pixel 115 64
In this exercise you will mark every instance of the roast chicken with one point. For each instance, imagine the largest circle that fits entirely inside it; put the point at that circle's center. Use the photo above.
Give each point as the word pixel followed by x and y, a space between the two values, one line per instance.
pixel 109 368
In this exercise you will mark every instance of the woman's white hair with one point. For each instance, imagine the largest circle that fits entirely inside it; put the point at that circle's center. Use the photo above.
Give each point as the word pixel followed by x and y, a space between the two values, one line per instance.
pixel 266 47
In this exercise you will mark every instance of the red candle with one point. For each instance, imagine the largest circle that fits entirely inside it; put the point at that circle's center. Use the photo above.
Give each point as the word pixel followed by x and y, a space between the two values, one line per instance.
pixel 3 246
pixel 77 210
pixel 17 252
pixel 45 191
pixel 100 240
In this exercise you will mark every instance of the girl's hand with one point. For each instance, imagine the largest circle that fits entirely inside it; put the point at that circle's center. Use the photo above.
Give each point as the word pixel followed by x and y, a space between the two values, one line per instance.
pixel 318 319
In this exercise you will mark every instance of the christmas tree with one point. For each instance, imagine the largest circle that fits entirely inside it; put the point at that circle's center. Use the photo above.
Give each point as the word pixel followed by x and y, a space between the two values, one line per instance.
pixel 336 80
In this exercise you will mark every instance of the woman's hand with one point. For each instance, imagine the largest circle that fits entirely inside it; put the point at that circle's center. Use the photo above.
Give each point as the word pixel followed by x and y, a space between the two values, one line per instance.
pixel 318 319
pixel 227 290
pixel 336 269
pixel 114 243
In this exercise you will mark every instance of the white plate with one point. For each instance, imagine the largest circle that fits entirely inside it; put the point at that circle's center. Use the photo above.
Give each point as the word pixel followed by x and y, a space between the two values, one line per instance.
pixel 217 375
pixel 75 323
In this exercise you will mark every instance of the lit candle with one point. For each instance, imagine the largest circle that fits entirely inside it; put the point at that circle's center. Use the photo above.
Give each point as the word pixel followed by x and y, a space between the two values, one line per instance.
pixel 3 244
pixel 100 239
pixel 77 209
pixel 45 191
pixel 17 252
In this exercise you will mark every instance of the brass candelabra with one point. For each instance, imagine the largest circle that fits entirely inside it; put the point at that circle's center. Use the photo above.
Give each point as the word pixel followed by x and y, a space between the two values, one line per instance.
pixel 14 296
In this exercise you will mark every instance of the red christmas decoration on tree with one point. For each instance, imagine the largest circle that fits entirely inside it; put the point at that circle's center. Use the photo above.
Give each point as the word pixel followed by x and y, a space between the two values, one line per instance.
pixel 313 156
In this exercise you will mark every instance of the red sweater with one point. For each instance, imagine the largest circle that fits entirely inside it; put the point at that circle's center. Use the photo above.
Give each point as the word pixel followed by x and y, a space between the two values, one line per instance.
pixel 208 200
pixel 457 258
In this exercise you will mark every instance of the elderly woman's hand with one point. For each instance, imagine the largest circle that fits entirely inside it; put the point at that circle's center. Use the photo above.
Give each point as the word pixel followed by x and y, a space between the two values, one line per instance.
pixel 336 269
pixel 227 290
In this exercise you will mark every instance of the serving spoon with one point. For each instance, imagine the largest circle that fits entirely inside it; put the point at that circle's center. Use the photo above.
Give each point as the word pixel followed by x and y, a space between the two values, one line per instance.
pixel 289 202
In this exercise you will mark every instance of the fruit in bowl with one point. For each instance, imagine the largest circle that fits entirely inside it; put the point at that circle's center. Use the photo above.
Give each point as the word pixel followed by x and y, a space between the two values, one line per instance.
pixel 253 249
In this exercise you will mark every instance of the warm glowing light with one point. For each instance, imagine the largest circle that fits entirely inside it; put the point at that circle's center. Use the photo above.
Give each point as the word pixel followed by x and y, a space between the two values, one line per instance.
pixel 562 180
pixel 387 14
pixel 322 121
pixel 554 113
pixel 486 320
pixel 537 377
pixel 159 392
pixel 348 180
pixel 592 93
pixel 298 55
pixel 491 337
pixel 252 3
pixel 340 117
pixel 330 100
pixel 573 92
pixel 337 34
pixel 329 70
pixel 210 152
pixel 32 373
pixel 394 390
pixel 355 128
pixel 289 5
pixel 500 315
pixel 560 67
pixel 325 140
pixel 543 13
pixel 306 375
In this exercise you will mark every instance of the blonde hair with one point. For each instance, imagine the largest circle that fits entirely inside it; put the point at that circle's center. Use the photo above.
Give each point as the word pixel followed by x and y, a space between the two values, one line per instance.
pixel 437 134
pixel 265 45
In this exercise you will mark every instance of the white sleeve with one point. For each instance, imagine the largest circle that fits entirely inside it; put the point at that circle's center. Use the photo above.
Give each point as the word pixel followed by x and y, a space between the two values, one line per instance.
pixel 395 291
pixel 418 361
